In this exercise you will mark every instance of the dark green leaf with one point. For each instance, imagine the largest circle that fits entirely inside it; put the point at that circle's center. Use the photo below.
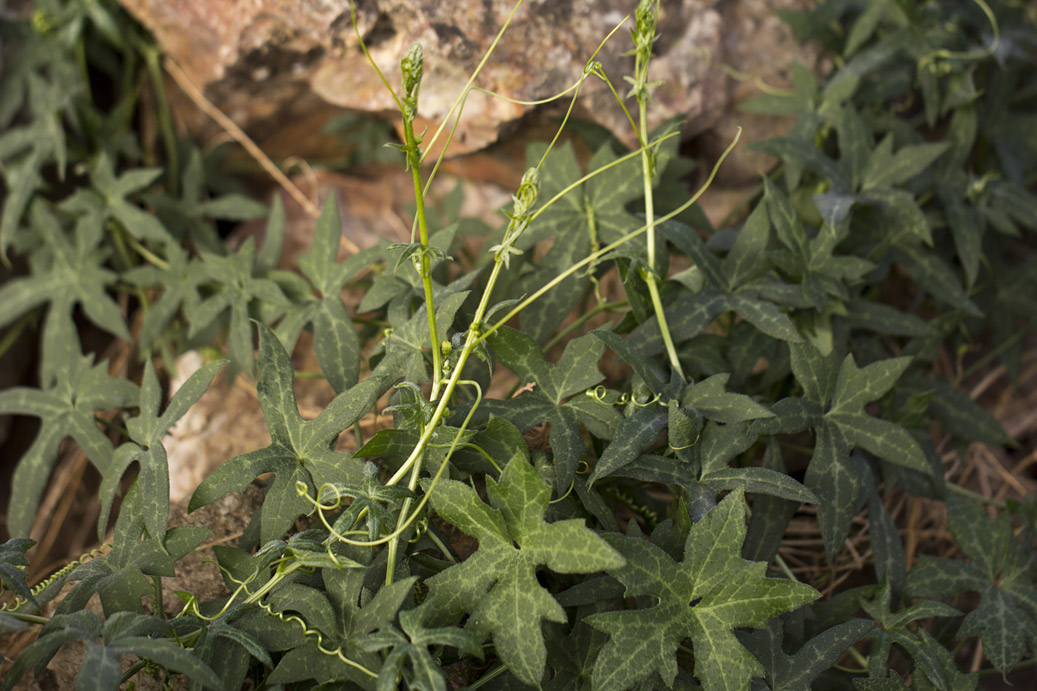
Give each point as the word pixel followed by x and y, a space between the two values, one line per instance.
pixel 299 451
pixel 67 408
pixel 710 592
pixel 145 447
pixel 497 584
pixel 887 170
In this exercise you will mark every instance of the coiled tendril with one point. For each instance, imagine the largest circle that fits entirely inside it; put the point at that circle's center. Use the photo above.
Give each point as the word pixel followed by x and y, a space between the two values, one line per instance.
pixel 19 601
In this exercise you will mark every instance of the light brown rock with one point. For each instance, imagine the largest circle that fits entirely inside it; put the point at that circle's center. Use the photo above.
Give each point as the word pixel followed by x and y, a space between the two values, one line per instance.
pixel 266 63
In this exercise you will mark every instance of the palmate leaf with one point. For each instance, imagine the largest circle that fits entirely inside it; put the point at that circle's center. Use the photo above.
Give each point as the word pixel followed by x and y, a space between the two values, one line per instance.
pixel 239 284
pixel 785 672
pixel 110 199
pixel 572 651
pixel 411 646
pixel 299 451
pixel 498 583
pixel 886 169
pixel 13 565
pixel 1001 570
pixel 335 340
pixel 119 578
pixel 188 215
pixel 799 153
pixel 403 280
pixel 66 409
pixel 576 371
pixel 179 282
pixel 44 138
pixel 371 498
pixel 64 274
pixel 833 474
pixel 811 259
pixel 729 286
pixel 226 642
pixel 591 215
pixel 336 612
pixel 124 633
pixel 931 659
pixel 407 343
pixel 183 277
pixel 937 278
pixel 145 447
pixel 704 597
pixel 706 399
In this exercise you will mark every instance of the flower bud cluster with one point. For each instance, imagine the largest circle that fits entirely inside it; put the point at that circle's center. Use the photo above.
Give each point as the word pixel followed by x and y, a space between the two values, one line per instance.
pixel 524 199
pixel 412 66
pixel 643 32
pixel 528 191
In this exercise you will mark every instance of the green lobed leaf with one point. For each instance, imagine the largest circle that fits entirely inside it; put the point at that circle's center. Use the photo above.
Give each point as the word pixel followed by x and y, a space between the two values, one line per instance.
pixel 67 408
pixel 799 670
pixel 498 584
pixel 704 597
pixel 836 481
pixel 299 451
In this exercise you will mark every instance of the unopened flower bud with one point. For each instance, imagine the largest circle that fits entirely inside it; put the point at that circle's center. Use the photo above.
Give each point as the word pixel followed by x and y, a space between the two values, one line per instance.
pixel 528 192
pixel 645 21
pixel 412 67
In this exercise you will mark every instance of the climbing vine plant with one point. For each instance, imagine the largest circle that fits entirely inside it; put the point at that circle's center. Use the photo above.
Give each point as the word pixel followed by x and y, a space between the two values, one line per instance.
pixel 629 496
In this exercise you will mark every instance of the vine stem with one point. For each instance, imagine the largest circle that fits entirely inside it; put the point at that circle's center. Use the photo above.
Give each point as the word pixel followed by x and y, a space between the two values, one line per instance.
pixel 653 288
pixel 472 77
pixel 475 335
pixel 424 267
pixel 616 306
pixel 643 56
pixel 152 58
pixel 974 496
pixel 471 340
pixel 595 256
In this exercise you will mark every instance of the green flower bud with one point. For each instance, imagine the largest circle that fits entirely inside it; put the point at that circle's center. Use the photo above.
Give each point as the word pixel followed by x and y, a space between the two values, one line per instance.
pixel 412 67
pixel 528 192
pixel 644 27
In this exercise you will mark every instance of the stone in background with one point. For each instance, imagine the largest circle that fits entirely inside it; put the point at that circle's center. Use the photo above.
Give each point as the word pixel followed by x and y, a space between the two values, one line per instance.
pixel 281 68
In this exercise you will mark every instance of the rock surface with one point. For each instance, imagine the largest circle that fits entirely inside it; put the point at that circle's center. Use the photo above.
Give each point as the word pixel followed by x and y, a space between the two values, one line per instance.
pixel 271 63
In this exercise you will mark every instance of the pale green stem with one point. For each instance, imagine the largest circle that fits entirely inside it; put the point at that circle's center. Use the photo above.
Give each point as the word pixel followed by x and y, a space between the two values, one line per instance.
pixel 488 677
pixel 475 336
pixel 460 104
pixel 783 565
pixel 165 121
pixel 424 268
pixel 643 58
pixel 405 520
pixel 370 58
pixel 856 655
pixel 595 256
pixel 597 171
pixel 653 288
pixel 273 582
pixel 455 376
pixel 604 307
pixel 147 254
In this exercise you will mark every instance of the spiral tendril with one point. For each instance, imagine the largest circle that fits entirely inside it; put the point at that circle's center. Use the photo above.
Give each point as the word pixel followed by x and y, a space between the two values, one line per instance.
pixel 19 601
pixel 600 394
